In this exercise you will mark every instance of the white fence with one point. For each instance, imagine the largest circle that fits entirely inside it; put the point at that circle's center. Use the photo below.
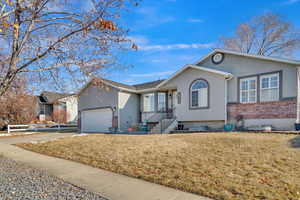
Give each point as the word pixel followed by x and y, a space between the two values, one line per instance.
pixel 41 127
pixel 15 128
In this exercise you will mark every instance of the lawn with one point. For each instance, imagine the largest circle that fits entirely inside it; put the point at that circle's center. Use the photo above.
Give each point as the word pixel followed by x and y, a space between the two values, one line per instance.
pixel 216 165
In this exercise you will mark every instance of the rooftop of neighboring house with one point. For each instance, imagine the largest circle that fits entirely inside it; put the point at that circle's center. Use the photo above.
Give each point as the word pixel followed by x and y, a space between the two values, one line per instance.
pixel 52 97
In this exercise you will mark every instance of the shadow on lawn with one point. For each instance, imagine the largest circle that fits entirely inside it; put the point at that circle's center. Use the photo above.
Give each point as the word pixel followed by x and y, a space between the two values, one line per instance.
pixel 295 142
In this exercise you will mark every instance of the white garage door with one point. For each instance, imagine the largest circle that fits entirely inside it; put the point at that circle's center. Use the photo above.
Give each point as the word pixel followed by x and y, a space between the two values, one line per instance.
pixel 98 120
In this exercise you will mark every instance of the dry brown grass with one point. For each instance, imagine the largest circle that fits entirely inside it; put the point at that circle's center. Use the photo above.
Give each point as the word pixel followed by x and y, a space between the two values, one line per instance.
pixel 217 165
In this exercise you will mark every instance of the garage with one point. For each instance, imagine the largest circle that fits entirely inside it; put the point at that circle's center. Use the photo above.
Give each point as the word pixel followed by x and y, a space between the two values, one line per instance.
pixel 96 120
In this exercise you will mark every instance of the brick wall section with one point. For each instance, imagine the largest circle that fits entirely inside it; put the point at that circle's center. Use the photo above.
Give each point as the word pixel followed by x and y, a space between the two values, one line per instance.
pixel 263 110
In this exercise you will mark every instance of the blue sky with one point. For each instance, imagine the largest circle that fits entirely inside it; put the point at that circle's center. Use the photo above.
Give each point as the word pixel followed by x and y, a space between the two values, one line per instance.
pixel 172 33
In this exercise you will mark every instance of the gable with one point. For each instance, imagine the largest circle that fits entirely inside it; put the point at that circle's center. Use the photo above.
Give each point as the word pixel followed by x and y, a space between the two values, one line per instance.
pixel 188 75
pixel 244 66
pixel 241 66
pixel 196 68
pixel 94 96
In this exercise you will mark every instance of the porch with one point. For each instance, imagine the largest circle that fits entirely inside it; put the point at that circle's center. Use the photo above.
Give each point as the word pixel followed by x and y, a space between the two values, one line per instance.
pixel 159 110
pixel 158 105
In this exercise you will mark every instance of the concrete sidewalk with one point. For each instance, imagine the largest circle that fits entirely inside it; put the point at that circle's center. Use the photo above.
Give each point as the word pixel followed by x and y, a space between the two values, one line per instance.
pixel 36 137
pixel 107 184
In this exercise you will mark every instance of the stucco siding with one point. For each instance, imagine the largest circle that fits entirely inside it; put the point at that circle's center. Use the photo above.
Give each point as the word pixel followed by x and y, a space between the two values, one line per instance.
pixel 72 104
pixel 93 97
pixel 241 66
pixel 216 110
pixel 129 113
pixel 71 108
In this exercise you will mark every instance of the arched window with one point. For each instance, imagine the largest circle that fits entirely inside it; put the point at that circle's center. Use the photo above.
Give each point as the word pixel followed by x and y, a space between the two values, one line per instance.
pixel 199 94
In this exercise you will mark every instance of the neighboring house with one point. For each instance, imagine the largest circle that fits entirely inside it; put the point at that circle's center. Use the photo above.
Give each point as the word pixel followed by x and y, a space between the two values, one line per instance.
pixel 52 103
pixel 224 86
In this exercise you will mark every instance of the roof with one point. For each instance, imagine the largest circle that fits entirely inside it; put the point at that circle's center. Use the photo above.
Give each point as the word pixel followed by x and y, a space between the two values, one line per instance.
pixel 51 97
pixel 148 85
pixel 268 58
pixel 121 85
pixel 197 67
pixel 131 88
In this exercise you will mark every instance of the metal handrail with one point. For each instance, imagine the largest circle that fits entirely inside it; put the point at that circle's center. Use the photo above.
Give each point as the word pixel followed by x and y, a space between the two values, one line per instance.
pixel 170 115
pixel 164 126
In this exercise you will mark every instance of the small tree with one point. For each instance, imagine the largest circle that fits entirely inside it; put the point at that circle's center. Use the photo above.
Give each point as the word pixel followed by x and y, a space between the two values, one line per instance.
pixel 267 35
pixel 59 40
pixel 60 116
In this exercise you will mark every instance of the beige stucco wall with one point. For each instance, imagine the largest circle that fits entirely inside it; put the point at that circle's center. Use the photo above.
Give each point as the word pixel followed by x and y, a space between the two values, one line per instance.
pixel 216 110
pixel 96 96
pixel 71 108
pixel 244 66
pixel 128 110
pixel 72 105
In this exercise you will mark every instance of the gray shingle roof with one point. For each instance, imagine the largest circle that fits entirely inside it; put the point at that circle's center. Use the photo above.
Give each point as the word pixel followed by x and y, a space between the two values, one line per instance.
pixel 148 85
pixel 119 84
pixel 132 88
pixel 142 86
pixel 51 97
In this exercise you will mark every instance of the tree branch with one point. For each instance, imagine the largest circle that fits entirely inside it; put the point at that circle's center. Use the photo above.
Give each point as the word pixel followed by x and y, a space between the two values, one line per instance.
pixel 51 47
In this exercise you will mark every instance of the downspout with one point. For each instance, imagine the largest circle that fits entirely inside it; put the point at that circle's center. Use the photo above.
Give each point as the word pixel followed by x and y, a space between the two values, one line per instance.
pixel 226 96
pixel 298 96
pixel 118 111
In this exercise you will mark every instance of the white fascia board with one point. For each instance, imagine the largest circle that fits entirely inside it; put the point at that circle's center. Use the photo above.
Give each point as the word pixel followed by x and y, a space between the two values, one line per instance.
pixel 268 58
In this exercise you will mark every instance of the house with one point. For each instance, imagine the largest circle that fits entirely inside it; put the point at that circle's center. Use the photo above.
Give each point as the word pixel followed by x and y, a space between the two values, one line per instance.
pixel 222 87
pixel 52 104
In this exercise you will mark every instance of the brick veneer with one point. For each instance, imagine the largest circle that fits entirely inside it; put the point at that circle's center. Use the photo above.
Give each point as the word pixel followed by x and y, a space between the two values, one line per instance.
pixel 263 110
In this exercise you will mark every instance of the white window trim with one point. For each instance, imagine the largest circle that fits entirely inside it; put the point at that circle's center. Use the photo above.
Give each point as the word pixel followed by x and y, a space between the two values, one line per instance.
pixel 165 102
pixel 144 96
pixel 198 91
pixel 269 77
pixel 248 90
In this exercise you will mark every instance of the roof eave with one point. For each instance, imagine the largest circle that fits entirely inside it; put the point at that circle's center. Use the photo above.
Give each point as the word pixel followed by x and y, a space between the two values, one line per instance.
pixel 292 62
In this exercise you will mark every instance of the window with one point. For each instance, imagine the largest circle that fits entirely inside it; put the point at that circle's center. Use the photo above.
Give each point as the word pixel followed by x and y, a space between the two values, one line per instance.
pixel 161 100
pixel 149 100
pixel 269 87
pixel 178 97
pixel 248 88
pixel 199 94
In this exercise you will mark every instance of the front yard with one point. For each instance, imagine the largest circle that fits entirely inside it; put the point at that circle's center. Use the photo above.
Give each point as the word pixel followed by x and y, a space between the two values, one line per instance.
pixel 216 165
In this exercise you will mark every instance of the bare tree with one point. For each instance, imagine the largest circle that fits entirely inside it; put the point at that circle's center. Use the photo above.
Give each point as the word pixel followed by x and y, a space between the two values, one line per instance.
pixel 17 106
pixel 59 40
pixel 269 34
pixel 60 116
